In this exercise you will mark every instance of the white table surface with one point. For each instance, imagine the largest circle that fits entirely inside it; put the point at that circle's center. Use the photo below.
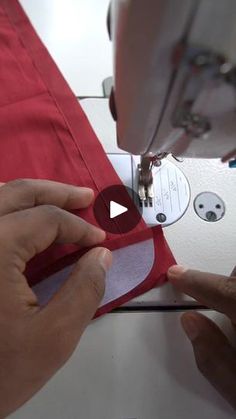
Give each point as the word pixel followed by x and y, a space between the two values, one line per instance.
pixel 129 365
pixel 75 34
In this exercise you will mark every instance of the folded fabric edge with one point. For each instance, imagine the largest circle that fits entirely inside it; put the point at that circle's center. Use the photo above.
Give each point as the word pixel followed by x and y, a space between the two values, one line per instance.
pixel 112 244
pixel 157 276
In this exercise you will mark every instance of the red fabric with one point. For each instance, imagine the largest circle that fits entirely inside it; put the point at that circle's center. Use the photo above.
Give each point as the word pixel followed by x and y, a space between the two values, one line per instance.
pixel 45 134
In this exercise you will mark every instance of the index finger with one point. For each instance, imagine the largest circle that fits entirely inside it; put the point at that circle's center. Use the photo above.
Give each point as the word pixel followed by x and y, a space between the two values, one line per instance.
pixel 214 291
pixel 27 233
pixel 22 194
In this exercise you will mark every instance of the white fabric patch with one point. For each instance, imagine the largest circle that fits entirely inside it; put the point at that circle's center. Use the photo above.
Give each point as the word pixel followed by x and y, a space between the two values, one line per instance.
pixel 131 265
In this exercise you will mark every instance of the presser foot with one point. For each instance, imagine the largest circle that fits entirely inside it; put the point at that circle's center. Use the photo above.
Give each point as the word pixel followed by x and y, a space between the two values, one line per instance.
pixel 162 188
pixel 145 179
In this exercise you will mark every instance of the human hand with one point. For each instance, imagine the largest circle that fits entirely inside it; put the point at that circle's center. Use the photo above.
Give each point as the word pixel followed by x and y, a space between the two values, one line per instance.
pixel 35 342
pixel 215 357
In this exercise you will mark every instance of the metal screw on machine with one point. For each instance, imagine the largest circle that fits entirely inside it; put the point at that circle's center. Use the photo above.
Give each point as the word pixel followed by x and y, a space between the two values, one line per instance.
pixel 161 218
pixel 201 66
pixel 211 216
pixel 195 125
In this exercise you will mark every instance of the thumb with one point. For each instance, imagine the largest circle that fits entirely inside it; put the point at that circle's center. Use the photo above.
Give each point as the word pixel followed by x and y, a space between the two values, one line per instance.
pixel 78 299
pixel 215 357
pixel 214 291
pixel 62 322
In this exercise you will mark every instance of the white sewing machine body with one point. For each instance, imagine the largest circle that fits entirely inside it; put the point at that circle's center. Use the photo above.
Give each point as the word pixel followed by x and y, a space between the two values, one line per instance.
pixel 174 93
pixel 174 73
pixel 134 364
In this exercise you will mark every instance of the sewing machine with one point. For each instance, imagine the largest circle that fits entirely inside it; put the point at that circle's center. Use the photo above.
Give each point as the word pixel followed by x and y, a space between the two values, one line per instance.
pixel 137 363
pixel 174 94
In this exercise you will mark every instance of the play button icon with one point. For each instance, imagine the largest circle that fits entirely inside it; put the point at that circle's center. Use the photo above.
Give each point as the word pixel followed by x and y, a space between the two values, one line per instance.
pixel 116 209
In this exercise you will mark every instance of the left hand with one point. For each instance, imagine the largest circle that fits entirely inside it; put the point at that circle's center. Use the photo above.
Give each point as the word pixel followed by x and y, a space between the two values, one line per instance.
pixel 36 341
pixel 215 357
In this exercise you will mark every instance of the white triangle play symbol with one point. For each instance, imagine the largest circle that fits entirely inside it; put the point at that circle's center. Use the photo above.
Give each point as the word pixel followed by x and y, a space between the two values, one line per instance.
pixel 116 209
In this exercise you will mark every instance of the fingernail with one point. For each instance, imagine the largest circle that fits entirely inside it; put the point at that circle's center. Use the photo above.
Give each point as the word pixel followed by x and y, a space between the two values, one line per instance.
pixel 105 259
pixel 176 271
pixel 83 190
pixel 100 233
pixel 190 326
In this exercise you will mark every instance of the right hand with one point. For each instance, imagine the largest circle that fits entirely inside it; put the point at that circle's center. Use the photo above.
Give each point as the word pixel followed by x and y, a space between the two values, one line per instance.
pixel 215 356
pixel 35 342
